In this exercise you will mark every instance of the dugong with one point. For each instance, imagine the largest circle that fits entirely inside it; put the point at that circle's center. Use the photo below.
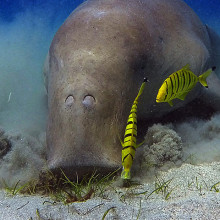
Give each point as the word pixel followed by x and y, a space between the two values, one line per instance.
pixel 96 63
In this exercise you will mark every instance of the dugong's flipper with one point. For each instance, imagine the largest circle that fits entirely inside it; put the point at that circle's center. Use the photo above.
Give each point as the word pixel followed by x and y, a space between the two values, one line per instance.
pixel 212 94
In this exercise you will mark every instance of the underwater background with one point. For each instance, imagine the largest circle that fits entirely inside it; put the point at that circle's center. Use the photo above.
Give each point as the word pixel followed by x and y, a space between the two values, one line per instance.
pixel 26 31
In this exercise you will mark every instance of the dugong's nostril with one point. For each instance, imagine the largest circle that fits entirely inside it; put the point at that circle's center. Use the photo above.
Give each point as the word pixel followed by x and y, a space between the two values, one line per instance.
pixel 88 101
pixel 69 101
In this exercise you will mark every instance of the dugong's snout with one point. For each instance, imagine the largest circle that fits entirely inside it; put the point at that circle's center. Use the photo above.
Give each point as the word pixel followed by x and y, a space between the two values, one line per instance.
pixel 82 133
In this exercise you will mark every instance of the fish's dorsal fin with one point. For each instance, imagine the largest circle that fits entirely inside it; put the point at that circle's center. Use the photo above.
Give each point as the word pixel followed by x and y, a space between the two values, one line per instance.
pixel 186 67
pixel 182 96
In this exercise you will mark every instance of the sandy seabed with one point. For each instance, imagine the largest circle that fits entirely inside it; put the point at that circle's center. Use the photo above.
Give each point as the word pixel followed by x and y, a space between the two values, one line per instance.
pixel 191 196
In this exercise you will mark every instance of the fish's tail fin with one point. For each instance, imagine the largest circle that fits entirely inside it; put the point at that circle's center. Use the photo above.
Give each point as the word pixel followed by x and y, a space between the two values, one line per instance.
pixel 126 174
pixel 202 78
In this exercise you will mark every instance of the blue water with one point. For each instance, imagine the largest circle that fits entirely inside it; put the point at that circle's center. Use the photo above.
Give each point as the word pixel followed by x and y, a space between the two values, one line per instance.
pixel 207 10
pixel 55 8
pixel 58 10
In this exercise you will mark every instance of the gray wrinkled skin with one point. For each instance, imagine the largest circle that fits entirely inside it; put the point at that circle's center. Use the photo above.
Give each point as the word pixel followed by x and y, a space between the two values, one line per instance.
pixel 96 64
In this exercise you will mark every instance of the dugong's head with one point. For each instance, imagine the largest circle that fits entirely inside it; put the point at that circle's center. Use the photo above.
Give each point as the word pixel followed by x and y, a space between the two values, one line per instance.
pixel 95 69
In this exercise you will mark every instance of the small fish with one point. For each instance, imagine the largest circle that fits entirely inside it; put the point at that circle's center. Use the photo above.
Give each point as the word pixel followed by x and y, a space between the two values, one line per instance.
pixel 180 83
pixel 129 145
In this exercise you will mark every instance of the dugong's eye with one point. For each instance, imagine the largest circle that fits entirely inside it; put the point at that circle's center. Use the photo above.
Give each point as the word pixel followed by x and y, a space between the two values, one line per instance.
pixel 69 101
pixel 88 101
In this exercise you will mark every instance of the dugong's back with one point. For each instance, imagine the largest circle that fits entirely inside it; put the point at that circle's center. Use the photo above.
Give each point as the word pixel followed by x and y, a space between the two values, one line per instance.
pixel 98 59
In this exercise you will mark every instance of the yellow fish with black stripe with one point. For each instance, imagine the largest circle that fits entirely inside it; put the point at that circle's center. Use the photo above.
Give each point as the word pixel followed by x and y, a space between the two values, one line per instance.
pixel 129 145
pixel 180 83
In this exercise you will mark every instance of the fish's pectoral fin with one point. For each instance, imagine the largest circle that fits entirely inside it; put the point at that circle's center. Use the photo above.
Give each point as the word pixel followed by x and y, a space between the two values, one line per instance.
pixel 170 103
pixel 122 143
pixel 140 144
pixel 183 96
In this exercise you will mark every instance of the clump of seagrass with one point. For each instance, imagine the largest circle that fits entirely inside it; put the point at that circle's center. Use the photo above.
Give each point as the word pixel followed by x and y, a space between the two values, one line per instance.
pixel 163 147
pixel 161 187
pixel 61 189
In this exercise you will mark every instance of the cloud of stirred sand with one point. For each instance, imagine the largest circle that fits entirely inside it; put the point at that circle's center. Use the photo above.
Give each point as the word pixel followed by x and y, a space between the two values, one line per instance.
pixel 201 139
pixel 24 43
